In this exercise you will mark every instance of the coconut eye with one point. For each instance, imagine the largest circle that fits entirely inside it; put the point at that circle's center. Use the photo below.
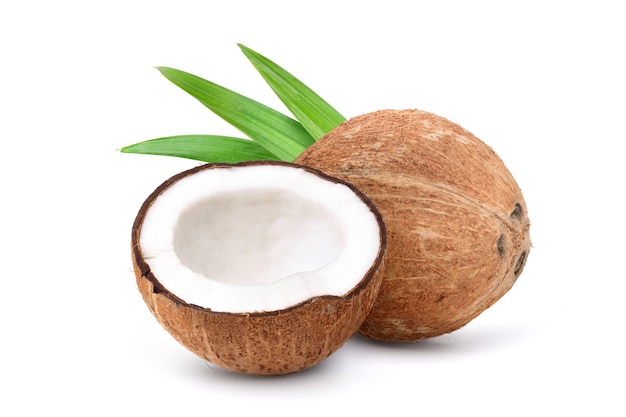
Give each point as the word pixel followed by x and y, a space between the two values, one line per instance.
pixel 516 215
pixel 500 245
pixel 520 264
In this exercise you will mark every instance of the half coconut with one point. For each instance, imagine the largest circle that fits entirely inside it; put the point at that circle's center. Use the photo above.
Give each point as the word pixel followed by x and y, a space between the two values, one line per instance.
pixel 261 267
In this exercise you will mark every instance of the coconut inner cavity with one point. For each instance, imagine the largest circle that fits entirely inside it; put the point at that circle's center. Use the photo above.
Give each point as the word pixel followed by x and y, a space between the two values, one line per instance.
pixel 256 237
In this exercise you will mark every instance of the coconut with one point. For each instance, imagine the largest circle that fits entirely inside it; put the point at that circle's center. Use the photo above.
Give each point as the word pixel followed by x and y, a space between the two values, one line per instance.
pixel 260 267
pixel 458 229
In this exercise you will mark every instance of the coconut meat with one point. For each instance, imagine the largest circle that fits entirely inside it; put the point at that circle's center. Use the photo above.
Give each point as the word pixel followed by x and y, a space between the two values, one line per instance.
pixel 258 238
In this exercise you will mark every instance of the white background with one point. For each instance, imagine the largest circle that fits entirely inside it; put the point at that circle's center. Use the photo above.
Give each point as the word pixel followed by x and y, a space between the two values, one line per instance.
pixel 542 82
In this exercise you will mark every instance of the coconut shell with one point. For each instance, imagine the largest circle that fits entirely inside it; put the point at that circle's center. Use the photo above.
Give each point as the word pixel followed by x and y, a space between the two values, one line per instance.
pixel 265 343
pixel 458 229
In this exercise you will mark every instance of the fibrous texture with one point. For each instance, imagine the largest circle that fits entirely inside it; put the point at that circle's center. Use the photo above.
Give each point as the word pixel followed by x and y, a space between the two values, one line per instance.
pixel 458 229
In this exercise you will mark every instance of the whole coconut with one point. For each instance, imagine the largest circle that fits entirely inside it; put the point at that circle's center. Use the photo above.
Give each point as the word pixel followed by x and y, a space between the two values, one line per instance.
pixel 458 229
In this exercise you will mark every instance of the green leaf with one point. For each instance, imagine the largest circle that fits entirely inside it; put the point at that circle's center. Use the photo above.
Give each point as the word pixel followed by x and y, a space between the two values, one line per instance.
pixel 279 134
pixel 206 148
pixel 314 113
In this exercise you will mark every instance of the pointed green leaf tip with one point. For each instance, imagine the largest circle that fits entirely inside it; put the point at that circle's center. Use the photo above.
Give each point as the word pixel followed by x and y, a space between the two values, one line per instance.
pixel 314 113
pixel 206 148
pixel 273 135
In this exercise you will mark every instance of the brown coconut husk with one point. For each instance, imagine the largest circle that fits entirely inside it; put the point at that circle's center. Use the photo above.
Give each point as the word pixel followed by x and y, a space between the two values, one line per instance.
pixel 458 229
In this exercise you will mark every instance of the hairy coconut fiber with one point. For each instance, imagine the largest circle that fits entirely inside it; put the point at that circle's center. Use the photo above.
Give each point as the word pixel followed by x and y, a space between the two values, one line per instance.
pixel 458 229
pixel 263 343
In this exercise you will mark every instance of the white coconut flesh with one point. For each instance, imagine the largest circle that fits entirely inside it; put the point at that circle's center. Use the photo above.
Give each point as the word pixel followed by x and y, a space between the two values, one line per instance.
pixel 258 238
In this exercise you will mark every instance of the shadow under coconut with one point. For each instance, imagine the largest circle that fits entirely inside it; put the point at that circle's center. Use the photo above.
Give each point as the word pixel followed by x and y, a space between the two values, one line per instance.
pixel 480 340
pixel 462 341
